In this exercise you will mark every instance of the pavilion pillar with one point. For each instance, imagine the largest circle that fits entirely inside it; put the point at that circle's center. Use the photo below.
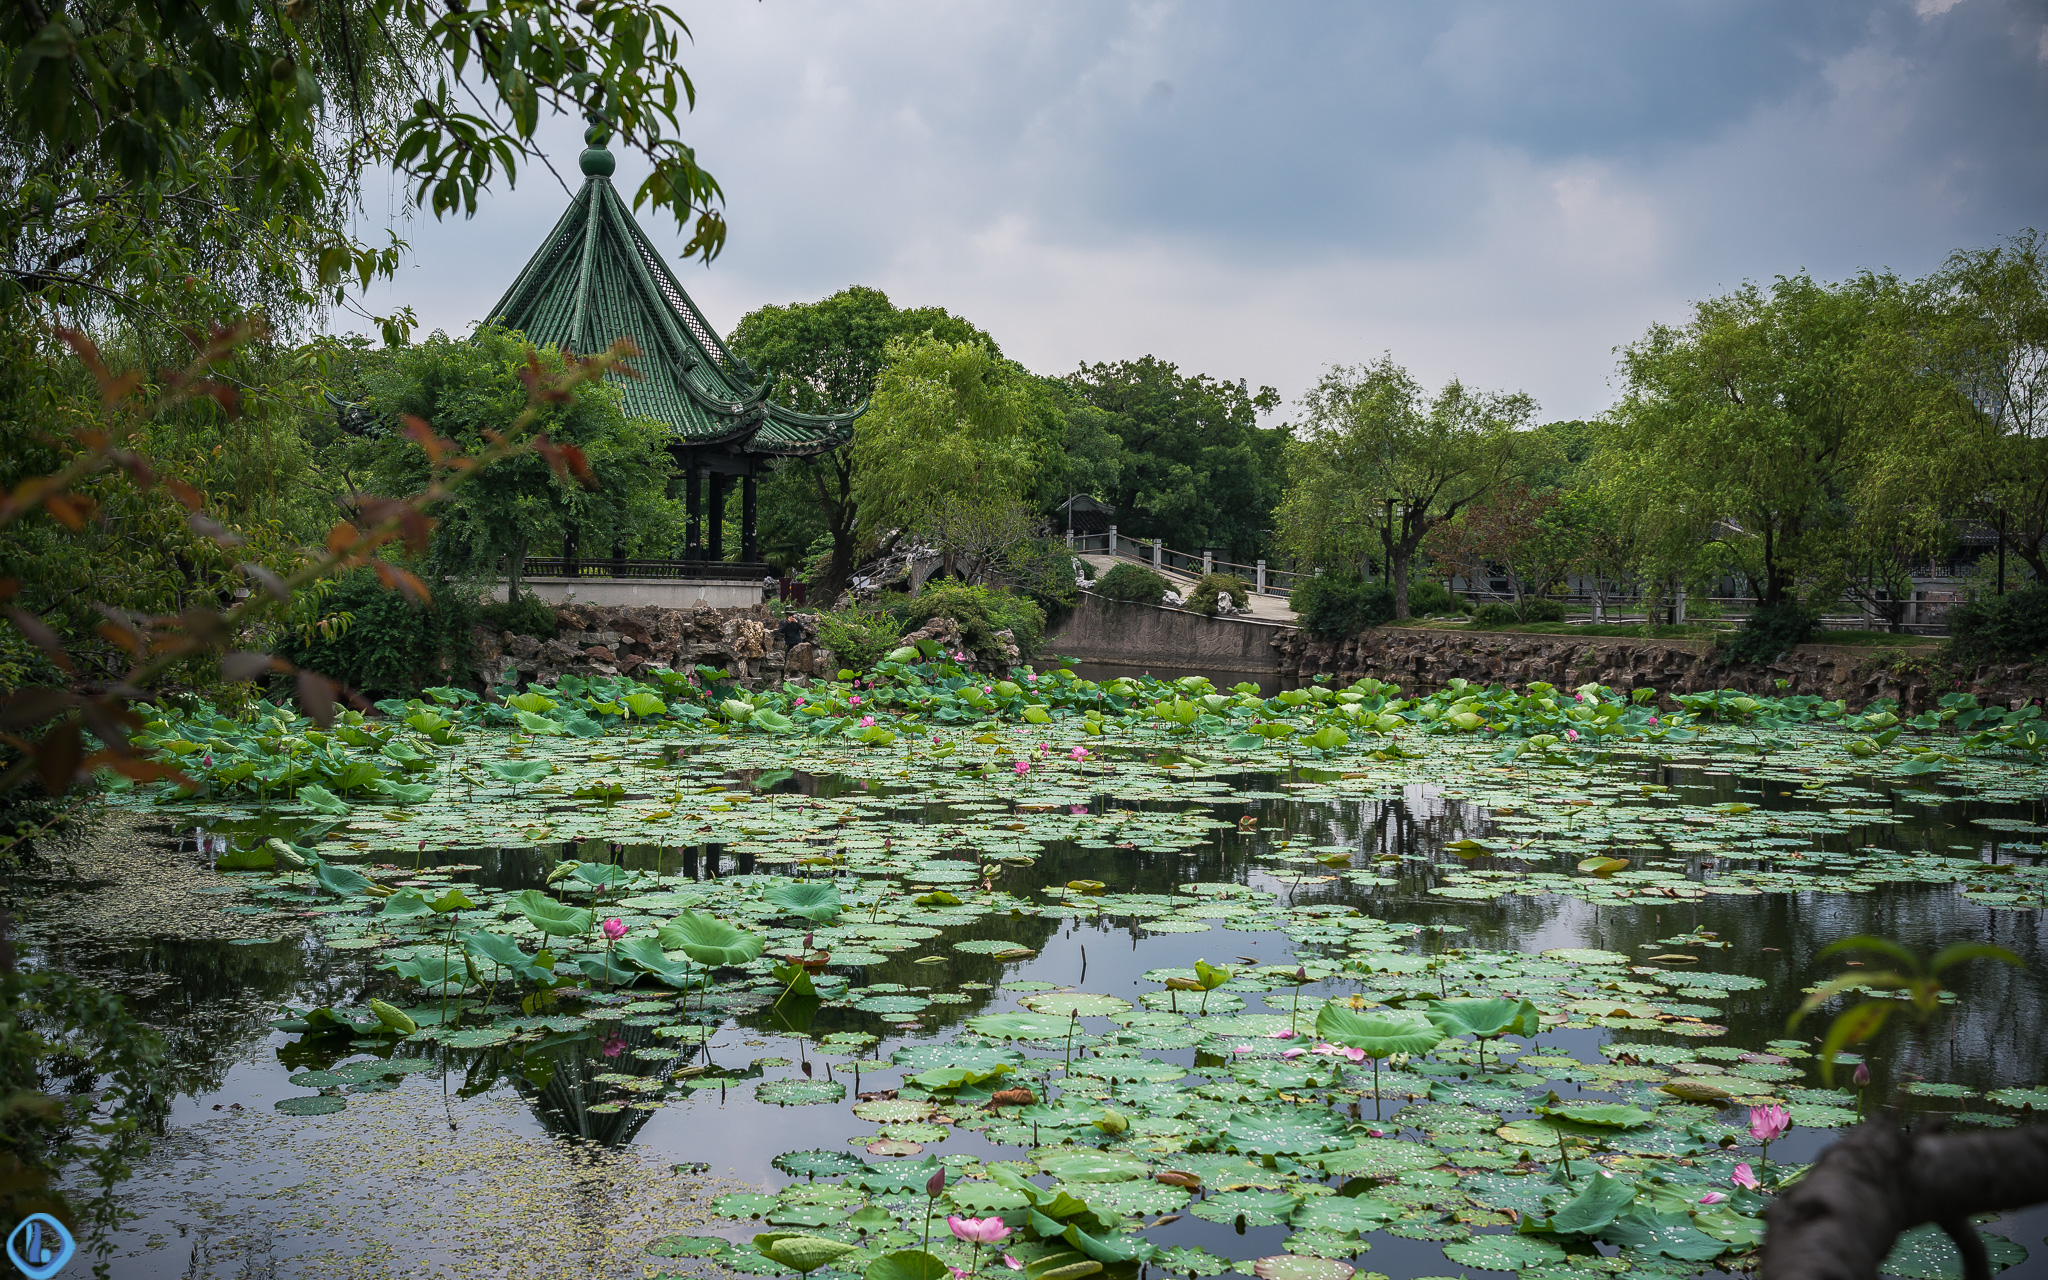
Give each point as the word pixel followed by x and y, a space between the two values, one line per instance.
pixel 693 503
pixel 717 547
pixel 748 505
pixel 572 542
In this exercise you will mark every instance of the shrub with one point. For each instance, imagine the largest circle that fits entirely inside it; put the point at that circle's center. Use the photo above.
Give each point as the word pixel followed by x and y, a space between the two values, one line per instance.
pixel 1335 608
pixel 1770 631
pixel 391 645
pixel 1508 615
pixel 1134 583
pixel 2013 625
pixel 1427 598
pixel 1204 598
pixel 529 615
pixel 857 636
pixel 979 613
pixel 1044 571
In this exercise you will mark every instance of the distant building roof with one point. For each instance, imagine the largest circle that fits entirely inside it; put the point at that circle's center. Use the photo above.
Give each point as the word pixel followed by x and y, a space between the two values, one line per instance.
pixel 596 278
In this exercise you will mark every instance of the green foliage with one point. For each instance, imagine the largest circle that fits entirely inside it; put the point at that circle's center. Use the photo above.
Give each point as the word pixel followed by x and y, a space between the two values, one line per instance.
pixel 1133 583
pixel 1180 455
pixel 2014 625
pixel 1530 609
pixel 1044 570
pixel 393 646
pixel 517 506
pixel 857 635
pixel 1332 607
pixel 1918 980
pixel 980 612
pixel 1204 598
pixel 56 1031
pixel 1769 631
pixel 525 615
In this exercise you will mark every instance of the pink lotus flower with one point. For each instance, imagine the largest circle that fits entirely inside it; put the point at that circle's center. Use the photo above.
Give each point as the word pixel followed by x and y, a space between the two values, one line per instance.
pixel 614 928
pixel 867 722
pixel 1653 720
pixel 1291 1054
pixel 1375 1133
pixel 979 1230
pixel 1012 1263
pixel 1712 1197
pixel 207 760
pixel 1861 1076
pixel 1768 1123
pixel 1743 1176
pixel 1286 1033
pixel 612 1048
pixel 799 702
pixel 1076 810
pixel 1078 753
pixel 1023 766
pixel 853 701
pixel 988 688
pixel 1571 735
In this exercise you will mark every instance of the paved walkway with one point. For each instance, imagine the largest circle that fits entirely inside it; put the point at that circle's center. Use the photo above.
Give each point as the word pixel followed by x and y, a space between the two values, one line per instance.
pixel 1266 608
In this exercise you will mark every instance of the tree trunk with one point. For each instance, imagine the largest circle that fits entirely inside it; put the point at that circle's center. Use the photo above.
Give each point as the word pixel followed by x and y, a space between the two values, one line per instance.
pixel 1398 571
pixel 515 566
pixel 1840 1220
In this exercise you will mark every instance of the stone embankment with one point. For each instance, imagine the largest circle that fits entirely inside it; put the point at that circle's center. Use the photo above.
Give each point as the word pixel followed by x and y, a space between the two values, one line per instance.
pixel 1422 660
pixel 613 640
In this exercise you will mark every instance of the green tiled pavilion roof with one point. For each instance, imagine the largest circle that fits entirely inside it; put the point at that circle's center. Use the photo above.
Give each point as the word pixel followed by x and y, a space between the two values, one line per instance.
pixel 596 279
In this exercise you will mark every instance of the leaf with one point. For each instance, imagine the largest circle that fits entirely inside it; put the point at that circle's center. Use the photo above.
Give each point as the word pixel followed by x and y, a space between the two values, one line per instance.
pixel 1607 1115
pixel 1852 1025
pixel 801 1253
pixel 1503 1252
pixel 1959 952
pixel 911 1264
pixel 340 880
pixel 1019 1026
pixel 1597 1203
pixel 1485 1019
pixel 1293 1266
pixel 1602 866
pixel 319 798
pixel 810 899
pixel 646 953
pixel 1926 1253
pixel 520 770
pixel 1380 1035
pixel 551 916
pixel 708 940
pixel 1674 1236
pixel 1083 1164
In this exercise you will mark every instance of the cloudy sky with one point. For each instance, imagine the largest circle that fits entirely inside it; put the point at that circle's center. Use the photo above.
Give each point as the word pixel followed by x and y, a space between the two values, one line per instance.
pixel 1499 191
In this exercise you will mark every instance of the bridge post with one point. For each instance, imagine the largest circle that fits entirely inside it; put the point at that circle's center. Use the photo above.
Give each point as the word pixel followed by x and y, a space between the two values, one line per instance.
pixel 1156 544
pixel 1070 539
pixel 1261 587
pixel 1208 561
pixel 1112 539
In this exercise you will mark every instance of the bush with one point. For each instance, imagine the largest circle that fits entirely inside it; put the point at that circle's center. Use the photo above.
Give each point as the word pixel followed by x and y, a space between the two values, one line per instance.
pixel 1133 583
pixel 1334 608
pixel 979 613
pixel 529 615
pixel 391 646
pixel 1427 598
pixel 1508 615
pixel 2014 625
pixel 1044 571
pixel 858 636
pixel 1204 598
pixel 1770 631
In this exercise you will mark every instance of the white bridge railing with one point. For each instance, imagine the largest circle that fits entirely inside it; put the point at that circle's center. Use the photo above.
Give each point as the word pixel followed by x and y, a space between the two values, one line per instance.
pixel 1156 554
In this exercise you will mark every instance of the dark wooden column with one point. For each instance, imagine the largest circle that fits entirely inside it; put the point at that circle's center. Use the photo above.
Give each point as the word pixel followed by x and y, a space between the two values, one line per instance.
pixel 747 509
pixel 572 543
pixel 716 551
pixel 693 503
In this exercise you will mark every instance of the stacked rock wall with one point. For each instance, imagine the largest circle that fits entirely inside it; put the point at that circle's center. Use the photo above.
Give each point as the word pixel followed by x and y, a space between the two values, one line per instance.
pixel 1422 660
pixel 612 640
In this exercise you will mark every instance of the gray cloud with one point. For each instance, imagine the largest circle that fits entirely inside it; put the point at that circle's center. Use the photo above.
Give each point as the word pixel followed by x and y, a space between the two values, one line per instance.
pixel 1498 190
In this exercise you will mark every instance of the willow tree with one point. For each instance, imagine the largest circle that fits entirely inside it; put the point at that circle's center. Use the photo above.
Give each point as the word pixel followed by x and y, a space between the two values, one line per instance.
pixel 951 425
pixel 1377 464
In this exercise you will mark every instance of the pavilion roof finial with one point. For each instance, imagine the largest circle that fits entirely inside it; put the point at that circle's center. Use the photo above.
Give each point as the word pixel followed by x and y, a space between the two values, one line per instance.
pixel 597 160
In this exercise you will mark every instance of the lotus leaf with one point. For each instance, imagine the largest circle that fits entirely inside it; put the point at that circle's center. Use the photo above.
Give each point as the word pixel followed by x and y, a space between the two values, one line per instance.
pixel 551 916
pixel 708 940
pixel 1019 1026
pixel 1379 1035
pixel 1257 1208
pixel 1293 1266
pixel 801 1253
pixel 1672 1235
pixel 828 1164
pixel 520 770
pixel 687 1246
pixel 811 899
pixel 1503 1252
pixel 1485 1019
pixel 1606 1115
pixel 646 953
pixel 1344 1213
pixel 908 1264
pixel 1597 1202
pixel 1080 1164
pixel 316 1104
pixel 1062 1004
pixel 1926 1253
pixel 1285 1131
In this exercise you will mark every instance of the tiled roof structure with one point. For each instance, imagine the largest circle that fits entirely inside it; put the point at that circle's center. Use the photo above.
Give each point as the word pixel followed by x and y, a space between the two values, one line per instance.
pixel 596 279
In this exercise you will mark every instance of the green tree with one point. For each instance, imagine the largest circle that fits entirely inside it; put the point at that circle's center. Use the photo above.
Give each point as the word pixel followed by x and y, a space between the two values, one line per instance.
pixel 1191 465
pixel 950 422
pixel 1377 465
pixel 825 357
pixel 1757 431
pixel 466 389
pixel 1996 302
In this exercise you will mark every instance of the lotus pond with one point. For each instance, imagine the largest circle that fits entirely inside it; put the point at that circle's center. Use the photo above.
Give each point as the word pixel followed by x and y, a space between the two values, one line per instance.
pixel 665 977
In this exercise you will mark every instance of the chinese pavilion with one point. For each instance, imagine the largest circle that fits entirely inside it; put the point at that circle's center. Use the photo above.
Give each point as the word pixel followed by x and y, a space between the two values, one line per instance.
pixel 597 279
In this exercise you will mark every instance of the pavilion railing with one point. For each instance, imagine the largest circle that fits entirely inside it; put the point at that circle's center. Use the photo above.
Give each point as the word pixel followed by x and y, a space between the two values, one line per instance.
pixel 1265 580
pixel 562 567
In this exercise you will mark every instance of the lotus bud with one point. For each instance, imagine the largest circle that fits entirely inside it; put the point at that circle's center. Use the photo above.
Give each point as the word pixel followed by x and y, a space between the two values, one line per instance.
pixel 1861 1075
pixel 936 1183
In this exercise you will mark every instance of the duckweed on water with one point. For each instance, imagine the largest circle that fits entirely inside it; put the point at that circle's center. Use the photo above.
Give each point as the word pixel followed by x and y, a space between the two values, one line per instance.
pixel 1383 1082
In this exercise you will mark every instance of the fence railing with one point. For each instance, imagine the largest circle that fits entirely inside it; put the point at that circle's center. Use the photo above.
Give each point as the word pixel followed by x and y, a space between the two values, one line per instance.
pixel 562 567
pixel 1266 580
